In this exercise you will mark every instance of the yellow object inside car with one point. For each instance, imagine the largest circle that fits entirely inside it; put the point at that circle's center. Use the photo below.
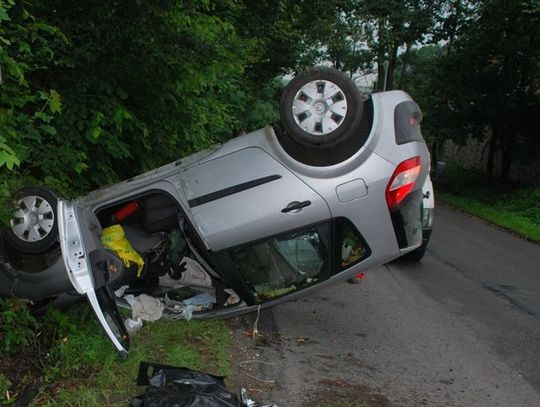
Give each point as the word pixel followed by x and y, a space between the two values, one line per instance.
pixel 113 238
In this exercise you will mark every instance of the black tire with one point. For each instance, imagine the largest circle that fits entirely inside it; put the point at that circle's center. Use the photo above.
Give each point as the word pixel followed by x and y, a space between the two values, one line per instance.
pixel 43 235
pixel 346 124
pixel 417 254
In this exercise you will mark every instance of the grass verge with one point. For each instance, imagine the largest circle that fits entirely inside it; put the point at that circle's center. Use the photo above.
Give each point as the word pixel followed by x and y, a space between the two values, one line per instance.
pixel 509 220
pixel 509 205
pixel 79 367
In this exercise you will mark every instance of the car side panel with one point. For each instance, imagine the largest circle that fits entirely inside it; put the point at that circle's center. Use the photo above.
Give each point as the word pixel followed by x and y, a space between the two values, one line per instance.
pixel 35 286
pixel 369 213
pixel 241 214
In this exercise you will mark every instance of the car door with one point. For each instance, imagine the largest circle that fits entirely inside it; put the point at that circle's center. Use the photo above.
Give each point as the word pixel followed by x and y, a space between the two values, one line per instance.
pixel 281 265
pixel 247 195
pixel 269 232
pixel 89 266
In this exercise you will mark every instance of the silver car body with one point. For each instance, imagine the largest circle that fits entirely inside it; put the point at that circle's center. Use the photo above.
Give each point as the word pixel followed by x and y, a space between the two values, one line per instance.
pixel 353 188
pixel 236 194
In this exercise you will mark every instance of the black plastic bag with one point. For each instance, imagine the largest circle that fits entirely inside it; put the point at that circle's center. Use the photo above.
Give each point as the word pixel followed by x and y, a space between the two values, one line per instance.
pixel 170 386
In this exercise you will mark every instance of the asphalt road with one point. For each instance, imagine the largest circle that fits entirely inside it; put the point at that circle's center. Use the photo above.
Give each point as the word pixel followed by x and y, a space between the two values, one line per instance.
pixel 461 328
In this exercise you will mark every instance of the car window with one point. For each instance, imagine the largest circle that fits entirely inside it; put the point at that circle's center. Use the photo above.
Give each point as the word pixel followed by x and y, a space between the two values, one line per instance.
pixel 407 118
pixel 112 316
pixel 283 264
pixel 353 247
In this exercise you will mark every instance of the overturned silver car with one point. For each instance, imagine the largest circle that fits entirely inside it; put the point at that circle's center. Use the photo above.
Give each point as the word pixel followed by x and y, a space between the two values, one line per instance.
pixel 334 188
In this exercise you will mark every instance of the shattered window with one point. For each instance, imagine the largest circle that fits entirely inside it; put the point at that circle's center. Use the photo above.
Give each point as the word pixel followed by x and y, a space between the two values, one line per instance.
pixel 284 264
pixel 353 247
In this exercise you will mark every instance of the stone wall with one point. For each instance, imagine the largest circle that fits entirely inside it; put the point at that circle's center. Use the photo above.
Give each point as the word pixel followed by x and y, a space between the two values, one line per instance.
pixel 474 154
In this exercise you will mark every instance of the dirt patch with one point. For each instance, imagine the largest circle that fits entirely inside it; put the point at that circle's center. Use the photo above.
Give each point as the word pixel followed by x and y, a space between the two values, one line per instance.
pixel 341 393
pixel 247 364
pixel 23 371
pixel 257 362
pixel 304 341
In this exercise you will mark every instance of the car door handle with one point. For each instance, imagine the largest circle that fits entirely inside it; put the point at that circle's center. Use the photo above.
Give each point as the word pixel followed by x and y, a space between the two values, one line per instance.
pixel 295 206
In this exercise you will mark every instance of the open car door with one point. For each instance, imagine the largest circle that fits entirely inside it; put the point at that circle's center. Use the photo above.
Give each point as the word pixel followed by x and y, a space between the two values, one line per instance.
pixel 89 266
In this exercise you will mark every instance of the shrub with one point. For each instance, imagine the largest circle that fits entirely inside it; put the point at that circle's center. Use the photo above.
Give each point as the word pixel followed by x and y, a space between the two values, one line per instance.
pixel 17 325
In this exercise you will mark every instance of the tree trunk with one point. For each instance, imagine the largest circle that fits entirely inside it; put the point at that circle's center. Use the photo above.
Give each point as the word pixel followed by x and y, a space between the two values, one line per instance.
pixel 381 72
pixel 508 154
pixel 492 151
pixel 391 68
pixel 404 65
pixel 506 165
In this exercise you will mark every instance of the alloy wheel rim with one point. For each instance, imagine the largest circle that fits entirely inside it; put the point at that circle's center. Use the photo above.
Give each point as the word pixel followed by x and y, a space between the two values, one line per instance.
pixel 33 220
pixel 319 107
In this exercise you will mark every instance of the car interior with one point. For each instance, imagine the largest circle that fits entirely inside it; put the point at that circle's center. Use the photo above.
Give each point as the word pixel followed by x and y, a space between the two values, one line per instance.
pixel 154 226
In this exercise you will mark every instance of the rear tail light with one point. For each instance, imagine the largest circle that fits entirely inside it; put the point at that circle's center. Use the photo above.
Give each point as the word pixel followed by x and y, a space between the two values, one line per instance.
pixel 402 181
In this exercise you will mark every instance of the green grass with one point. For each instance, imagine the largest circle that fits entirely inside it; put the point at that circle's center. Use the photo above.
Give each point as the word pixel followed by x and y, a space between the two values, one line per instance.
pixel 5 385
pixel 509 205
pixel 81 368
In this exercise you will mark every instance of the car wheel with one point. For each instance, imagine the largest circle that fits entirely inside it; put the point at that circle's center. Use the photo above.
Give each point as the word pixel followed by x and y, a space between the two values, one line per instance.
pixel 33 227
pixel 417 254
pixel 321 108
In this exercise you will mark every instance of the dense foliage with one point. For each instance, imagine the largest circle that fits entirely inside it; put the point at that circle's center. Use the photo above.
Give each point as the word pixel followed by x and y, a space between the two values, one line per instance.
pixel 95 92
pixel 67 361
pixel 485 83
pixel 91 93
pixel 509 205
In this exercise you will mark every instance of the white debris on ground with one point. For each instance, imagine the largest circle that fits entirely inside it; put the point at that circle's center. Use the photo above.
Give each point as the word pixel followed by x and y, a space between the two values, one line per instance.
pixel 233 297
pixel 150 308
pixel 133 325
pixel 145 307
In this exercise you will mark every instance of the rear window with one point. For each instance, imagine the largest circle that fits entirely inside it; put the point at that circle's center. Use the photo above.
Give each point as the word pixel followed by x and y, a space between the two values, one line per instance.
pixel 407 118
pixel 286 263
pixel 352 246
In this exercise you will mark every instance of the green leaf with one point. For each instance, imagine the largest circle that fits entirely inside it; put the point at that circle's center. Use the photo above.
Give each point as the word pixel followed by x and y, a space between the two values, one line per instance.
pixel 120 116
pixel 95 133
pixel 9 160
pixel 5 147
pixel 48 129
pixel 3 14
pixel 43 95
pixel 24 47
pixel 26 15
pixel 80 167
pixel 55 102
pixel 15 69
pixel 51 29
pixel 43 117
